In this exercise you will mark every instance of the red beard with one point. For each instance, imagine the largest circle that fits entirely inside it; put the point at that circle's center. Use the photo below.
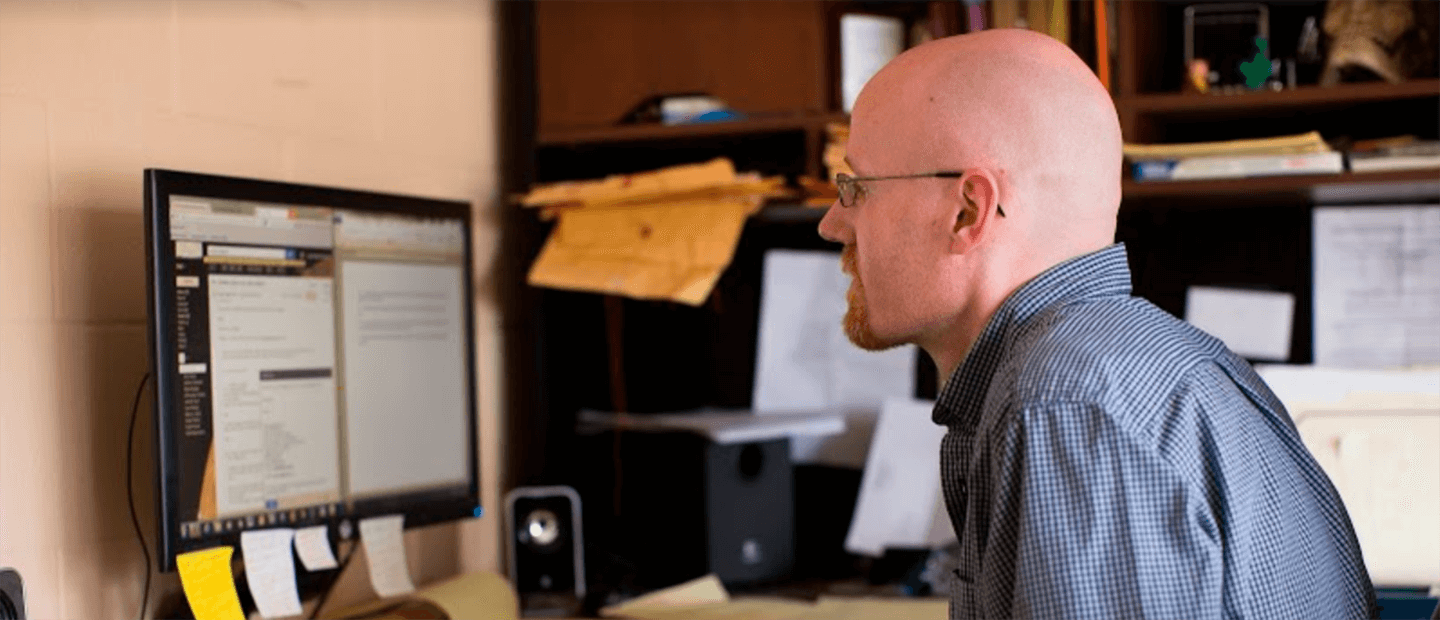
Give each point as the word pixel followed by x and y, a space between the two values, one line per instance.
pixel 857 316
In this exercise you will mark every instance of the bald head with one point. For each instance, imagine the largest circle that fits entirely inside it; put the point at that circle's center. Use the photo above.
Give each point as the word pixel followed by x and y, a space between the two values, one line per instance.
pixel 1019 104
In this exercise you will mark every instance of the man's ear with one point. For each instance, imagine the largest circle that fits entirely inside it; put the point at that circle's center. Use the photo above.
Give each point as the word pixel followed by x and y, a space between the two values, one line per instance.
pixel 975 211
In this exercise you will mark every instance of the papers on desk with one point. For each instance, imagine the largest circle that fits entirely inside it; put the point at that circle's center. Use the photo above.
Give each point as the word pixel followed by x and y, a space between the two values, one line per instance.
pixel 1377 286
pixel 900 504
pixel 1377 436
pixel 804 363
pixel 706 599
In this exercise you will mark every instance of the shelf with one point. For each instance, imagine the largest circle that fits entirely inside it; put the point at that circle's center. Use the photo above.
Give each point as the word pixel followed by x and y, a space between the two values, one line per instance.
pixel 1305 96
pixel 1301 185
pixel 634 133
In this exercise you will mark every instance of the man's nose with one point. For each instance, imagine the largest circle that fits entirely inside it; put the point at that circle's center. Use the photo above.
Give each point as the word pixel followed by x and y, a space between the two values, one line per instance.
pixel 832 228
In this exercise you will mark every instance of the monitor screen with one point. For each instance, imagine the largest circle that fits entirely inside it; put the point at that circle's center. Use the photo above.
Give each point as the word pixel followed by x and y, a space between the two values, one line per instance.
pixel 312 349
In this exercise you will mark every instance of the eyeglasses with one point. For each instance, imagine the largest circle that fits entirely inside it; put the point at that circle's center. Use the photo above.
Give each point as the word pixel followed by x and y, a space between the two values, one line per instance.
pixel 851 189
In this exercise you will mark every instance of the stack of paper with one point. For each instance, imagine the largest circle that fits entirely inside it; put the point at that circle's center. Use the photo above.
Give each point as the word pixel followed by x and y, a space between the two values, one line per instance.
pixel 665 234
pixel 706 599
pixel 1305 153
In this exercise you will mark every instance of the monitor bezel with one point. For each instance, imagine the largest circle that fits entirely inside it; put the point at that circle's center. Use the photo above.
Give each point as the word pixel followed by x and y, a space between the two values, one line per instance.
pixel 419 509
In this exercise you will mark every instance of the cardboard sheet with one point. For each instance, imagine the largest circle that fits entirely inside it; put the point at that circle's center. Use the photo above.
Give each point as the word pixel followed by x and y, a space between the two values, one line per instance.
pixel 674 251
pixel 705 590
pixel 634 187
pixel 664 234
pixel 1386 466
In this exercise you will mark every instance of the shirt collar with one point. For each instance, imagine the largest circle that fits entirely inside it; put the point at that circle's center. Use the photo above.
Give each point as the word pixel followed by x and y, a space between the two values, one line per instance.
pixel 1103 273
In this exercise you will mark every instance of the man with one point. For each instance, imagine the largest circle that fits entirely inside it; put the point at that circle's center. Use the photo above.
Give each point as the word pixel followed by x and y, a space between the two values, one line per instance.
pixel 1103 459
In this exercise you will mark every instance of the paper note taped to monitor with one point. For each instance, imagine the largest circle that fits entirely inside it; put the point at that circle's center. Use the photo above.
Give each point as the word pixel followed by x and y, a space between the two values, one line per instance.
pixel 666 234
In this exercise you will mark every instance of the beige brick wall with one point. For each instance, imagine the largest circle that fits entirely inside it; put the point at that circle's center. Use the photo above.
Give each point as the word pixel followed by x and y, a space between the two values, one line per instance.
pixel 389 95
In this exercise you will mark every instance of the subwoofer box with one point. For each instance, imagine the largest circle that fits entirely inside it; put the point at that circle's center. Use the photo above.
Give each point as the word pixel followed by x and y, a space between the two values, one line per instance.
pixel 684 506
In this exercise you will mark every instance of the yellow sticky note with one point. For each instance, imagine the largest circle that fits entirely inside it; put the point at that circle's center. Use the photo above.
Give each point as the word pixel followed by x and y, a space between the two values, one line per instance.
pixel 209 585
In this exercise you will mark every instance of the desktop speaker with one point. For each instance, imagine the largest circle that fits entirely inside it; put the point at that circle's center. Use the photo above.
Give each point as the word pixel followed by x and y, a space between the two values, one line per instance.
pixel 546 548
pixel 685 506
pixel 12 597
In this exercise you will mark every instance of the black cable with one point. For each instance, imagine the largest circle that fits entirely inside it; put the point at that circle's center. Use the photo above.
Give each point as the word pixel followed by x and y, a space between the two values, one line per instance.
pixel 130 492
pixel 314 613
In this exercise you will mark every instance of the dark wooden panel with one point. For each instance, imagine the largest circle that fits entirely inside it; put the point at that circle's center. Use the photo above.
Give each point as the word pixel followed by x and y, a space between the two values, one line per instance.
pixel 597 60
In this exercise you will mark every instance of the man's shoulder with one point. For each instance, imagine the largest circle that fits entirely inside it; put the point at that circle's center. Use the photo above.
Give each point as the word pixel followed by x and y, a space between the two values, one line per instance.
pixel 1103 350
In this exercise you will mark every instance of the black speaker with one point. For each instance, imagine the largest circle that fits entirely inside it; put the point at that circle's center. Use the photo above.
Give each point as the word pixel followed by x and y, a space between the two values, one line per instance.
pixel 688 506
pixel 12 596
pixel 546 548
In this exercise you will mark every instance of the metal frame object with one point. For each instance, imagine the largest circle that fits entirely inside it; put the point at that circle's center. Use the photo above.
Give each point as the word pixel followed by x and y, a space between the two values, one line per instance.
pixel 1210 14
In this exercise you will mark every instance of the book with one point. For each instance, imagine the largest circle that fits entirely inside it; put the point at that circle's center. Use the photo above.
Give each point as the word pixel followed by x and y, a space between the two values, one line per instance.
pixel 1227 167
pixel 1417 155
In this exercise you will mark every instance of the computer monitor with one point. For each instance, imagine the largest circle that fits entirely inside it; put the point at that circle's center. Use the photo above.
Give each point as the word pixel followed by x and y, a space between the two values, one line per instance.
pixel 313 353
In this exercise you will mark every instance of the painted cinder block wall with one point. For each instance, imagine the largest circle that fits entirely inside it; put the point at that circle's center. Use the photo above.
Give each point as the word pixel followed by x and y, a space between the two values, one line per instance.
pixel 388 95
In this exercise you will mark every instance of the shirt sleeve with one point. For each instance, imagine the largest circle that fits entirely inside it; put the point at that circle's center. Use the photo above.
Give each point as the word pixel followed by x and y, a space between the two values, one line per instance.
pixel 1087 522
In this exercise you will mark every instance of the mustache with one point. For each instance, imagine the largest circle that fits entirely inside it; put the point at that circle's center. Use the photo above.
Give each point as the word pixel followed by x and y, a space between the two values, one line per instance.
pixel 847 260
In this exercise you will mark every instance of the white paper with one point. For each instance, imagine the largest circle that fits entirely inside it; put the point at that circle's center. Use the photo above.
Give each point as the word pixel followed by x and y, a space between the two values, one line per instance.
pixel 900 498
pixel 385 551
pixel 1377 286
pixel 312 544
pixel 867 42
pixel 1254 324
pixel 805 363
pixel 1306 388
pixel 1386 467
pixel 270 571
pixel 725 426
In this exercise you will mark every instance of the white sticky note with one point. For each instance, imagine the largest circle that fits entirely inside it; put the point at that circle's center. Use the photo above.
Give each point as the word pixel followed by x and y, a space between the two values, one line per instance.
pixel 270 571
pixel 900 504
pixel 1254 324
pixel 312 544
pixel 385 550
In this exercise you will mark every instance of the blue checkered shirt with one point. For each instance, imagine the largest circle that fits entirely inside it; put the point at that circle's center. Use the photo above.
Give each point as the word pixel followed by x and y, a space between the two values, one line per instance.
pixel 1106 460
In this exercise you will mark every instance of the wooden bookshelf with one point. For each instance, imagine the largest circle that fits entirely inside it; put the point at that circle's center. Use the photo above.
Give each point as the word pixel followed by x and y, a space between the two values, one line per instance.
pixel 1302 97
pixel 578 67
pixel 1221 191
pixel 651 131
